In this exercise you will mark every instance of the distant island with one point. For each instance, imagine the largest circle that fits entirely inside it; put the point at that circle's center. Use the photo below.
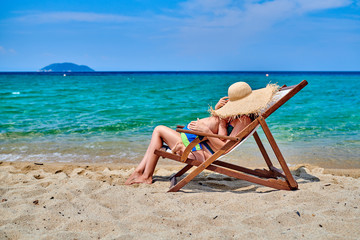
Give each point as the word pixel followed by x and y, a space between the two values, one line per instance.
pixel 66 67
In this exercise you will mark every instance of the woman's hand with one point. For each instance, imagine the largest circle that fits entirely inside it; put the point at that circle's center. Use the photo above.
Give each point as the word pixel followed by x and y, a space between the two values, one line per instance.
pixel 221 102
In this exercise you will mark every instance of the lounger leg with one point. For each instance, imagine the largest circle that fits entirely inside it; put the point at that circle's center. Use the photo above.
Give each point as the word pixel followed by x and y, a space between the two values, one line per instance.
pixel 196 171
pixel 262 150
pixel 278 154
pixel 183 170
pixel 173 179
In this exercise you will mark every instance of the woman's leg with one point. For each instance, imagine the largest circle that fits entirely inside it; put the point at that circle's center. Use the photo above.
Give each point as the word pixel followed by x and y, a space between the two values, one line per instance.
pixel 144 171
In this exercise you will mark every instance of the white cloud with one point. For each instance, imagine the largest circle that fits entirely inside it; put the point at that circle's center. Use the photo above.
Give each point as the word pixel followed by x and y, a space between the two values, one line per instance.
pixel 202 13
pixel 225 25
pixel 51 17
pixel 311 5
pixel 215 6
pixel 231 12
pixel 6 51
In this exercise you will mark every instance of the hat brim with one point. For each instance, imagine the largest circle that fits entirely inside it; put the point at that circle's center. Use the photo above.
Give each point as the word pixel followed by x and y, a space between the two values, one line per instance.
pixel 254 103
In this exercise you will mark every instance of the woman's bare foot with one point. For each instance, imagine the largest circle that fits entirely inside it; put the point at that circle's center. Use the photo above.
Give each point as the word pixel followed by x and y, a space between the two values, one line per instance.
pixel 133 176
pixel 141 179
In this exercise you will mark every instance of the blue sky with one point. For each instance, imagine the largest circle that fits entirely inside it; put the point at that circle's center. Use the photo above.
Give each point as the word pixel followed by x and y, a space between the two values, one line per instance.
pixel 154 35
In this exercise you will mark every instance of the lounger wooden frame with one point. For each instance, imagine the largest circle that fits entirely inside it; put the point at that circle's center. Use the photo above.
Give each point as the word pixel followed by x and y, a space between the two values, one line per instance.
pixel 272 177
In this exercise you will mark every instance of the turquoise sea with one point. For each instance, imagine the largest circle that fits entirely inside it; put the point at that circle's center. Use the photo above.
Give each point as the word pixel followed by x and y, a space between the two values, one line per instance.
pixel 109 116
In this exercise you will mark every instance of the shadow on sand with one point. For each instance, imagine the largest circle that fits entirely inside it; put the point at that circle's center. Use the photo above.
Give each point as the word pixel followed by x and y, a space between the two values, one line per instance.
pixel 214 182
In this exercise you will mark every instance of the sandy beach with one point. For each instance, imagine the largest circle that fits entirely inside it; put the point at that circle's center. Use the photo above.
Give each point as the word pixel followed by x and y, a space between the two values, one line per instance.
pixel 70 201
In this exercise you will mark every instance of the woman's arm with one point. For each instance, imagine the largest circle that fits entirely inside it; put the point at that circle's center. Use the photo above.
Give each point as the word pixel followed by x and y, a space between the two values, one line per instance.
pixel 239 124
pixel 223 127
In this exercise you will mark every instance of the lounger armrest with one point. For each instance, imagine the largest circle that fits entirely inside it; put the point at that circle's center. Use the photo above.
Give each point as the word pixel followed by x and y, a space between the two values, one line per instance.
pixel 208 134
pixel 189 148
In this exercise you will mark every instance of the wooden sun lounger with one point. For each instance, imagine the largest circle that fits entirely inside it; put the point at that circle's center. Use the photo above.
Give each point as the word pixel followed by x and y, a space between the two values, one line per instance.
pixel 271 177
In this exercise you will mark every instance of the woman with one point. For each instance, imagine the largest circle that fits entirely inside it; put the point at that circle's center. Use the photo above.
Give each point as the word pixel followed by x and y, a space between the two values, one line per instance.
pixel 225 120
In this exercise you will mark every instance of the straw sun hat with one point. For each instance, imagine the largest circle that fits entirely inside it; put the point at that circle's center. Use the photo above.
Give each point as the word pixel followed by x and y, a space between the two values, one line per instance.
pixel 245 101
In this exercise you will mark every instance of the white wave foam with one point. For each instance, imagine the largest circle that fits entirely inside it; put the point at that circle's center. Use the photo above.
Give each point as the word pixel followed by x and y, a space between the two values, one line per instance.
pixel 69 158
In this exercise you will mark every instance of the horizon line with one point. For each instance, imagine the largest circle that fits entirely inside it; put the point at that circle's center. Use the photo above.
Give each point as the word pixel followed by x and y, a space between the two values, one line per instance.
pixel 182 71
